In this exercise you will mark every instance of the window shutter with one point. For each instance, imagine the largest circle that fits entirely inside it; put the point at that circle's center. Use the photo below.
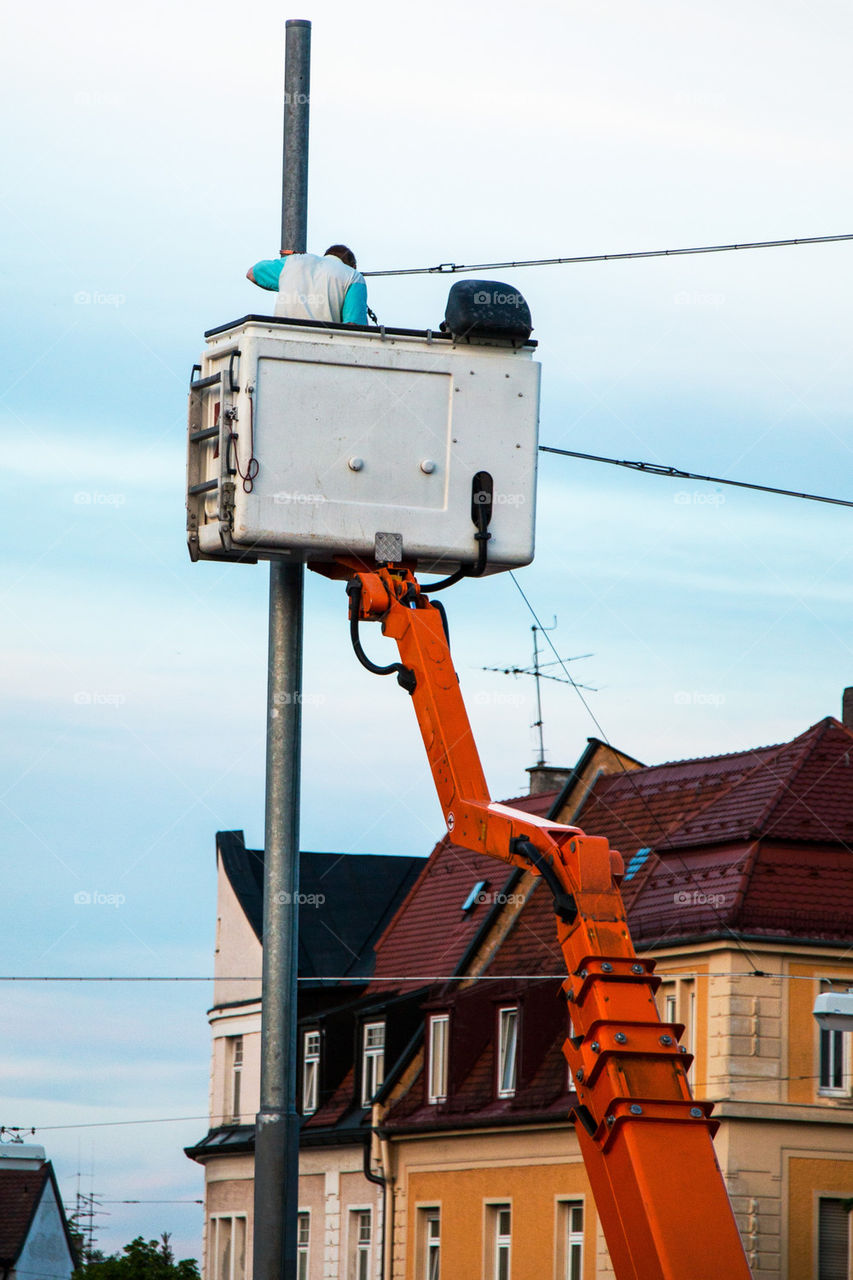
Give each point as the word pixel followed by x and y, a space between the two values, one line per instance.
pixel 833 1240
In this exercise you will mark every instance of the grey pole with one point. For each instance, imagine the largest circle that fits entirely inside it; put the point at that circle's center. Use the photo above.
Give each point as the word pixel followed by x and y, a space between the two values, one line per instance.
pixel 277 1124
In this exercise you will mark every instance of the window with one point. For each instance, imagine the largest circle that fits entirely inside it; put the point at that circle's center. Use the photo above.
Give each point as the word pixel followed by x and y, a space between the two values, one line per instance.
pixel 834 1070
pixel 234 1070
pixel 507 1051
pixel 432 1244
pixel 833 1236
pixel 438 1029
pixel 498 1242
pixel 303 1239
pixel 670 1011
pixel 310 1072
pixel 372 1061
pixel 474 896
pixel 359 1244
pixel 228 1248
pixel 570 1240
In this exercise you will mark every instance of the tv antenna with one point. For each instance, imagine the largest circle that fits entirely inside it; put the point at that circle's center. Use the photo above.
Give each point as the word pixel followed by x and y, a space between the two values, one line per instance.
pixel 537 670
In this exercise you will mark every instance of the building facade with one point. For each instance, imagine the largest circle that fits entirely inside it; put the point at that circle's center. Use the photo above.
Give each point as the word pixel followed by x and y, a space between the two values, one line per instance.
pixel 346 901
pixel 739 884
pixel 437 1140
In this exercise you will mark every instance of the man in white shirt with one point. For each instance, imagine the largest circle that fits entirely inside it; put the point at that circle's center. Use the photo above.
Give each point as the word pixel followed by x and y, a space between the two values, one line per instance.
pixel 330 288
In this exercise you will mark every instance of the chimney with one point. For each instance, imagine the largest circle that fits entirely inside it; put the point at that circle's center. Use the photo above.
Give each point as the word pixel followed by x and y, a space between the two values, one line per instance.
pixel 847 709
pixel 546 777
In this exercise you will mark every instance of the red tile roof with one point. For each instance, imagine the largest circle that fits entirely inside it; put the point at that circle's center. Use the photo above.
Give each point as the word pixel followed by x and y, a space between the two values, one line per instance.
pixel 430 933
pixel 753 843
pixel 798 790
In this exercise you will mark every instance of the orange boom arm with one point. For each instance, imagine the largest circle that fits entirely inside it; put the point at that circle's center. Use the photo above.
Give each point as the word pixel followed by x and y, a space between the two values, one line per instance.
pixel 646 1143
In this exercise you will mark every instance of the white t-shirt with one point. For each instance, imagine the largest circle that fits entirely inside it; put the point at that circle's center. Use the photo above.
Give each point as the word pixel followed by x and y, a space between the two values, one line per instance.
pixel 313 288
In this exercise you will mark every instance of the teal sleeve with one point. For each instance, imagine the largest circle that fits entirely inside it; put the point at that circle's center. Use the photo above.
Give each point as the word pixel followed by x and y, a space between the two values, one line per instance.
pixel 267 272
pixel 354 310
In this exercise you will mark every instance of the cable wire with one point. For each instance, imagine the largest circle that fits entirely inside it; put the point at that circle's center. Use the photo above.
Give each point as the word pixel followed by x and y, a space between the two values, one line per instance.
pixel 452 268
pixel 658 469
pixel 628 773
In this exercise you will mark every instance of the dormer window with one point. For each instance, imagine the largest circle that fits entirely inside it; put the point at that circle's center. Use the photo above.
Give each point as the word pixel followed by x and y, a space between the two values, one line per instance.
pixel 507 1050
pixel 310 1072
pixel 372 1060
pixel 475 896
pixel 439 1025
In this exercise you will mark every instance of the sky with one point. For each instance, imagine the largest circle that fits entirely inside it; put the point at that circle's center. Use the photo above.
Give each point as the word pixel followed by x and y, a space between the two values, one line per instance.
pixel 143 178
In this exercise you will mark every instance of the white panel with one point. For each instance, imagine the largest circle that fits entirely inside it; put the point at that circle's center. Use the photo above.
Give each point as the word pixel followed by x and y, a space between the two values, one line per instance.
pixel 356 434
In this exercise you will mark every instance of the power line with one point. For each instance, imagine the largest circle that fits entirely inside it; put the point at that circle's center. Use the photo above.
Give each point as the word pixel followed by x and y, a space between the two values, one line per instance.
pixel 338 978
pixel 453 268
pixel 657 469
pixel 8 977
pixel 629 774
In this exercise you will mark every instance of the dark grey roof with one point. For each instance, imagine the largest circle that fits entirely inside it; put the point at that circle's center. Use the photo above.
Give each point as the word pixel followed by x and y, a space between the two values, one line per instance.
pixel 348 899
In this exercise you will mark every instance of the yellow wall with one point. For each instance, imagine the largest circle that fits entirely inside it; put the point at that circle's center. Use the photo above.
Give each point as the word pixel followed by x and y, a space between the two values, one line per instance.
pixel 806 1180
pixel 532 1191
pixel 803 1033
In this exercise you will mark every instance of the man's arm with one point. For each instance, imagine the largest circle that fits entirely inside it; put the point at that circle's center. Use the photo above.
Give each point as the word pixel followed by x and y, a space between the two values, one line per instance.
pixel 354 310
pixel 266 272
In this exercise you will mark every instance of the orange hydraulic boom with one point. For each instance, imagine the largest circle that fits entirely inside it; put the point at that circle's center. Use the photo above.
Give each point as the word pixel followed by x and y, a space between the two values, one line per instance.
pixel 645 1141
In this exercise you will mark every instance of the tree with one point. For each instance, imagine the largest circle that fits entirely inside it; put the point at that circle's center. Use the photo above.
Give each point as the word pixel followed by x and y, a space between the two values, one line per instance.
pixel 140 1260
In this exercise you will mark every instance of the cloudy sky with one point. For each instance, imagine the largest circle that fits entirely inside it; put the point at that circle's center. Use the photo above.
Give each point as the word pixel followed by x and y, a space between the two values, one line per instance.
pixel 143 177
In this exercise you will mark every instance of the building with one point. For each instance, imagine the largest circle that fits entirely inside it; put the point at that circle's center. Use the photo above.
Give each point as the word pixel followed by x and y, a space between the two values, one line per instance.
pixel 739 883
pixel 346 901
pixel 35 1243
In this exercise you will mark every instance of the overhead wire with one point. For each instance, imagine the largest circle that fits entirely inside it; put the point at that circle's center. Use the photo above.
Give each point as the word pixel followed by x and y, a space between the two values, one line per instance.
pixel 629 773
pixel 453 268
pixel 659 469
pixel 453 977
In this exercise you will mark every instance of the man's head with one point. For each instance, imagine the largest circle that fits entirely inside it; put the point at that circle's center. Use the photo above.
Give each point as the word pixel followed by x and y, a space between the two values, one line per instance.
pixel 341 251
